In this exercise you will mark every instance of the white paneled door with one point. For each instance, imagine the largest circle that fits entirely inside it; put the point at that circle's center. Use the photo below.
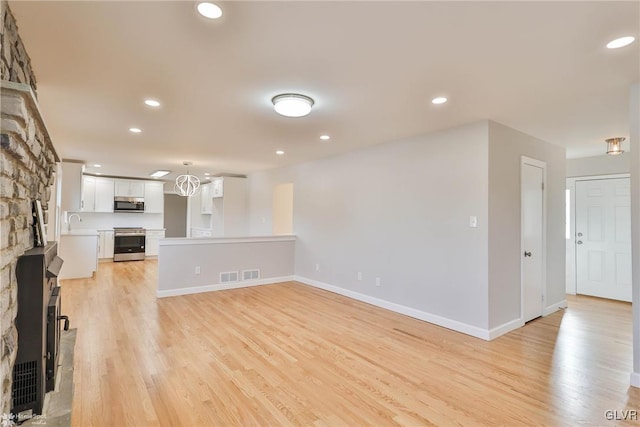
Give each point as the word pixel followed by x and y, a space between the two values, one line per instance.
pixel 603 238
pixel 532 241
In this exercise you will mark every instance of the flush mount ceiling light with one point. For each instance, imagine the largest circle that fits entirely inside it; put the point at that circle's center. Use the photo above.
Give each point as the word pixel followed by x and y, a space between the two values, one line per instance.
pixel 209 10
pixel 279 152
pixel 159 173
pixel 621 42
pixel 439 100
pixel 292 104
pixel 135 130
pixel 614 146
pixel 152 102
pixel 187 185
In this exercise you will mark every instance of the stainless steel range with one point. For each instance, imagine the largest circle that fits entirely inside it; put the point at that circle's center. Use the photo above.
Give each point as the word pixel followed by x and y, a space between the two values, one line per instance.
pixel 128 243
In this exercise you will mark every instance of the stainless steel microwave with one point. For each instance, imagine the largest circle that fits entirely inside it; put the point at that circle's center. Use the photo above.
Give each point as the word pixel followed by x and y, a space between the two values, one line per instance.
pixel 128 204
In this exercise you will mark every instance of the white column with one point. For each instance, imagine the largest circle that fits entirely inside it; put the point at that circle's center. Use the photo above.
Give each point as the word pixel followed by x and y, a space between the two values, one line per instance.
pixel 634 134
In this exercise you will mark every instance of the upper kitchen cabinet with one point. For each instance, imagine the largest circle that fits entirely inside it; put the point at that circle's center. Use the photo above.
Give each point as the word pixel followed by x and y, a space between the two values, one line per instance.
pixel 153 197
pixel 71 190
pixel 97 194
pixel 217 189
pixel 206 201
pixel 129 188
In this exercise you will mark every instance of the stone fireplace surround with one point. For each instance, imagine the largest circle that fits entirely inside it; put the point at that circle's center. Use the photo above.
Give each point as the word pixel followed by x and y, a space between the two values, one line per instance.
pixel 27 171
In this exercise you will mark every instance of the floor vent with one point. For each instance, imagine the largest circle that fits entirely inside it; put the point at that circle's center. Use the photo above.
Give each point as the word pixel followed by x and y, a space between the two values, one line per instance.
pixel 229 276
pixel 250 274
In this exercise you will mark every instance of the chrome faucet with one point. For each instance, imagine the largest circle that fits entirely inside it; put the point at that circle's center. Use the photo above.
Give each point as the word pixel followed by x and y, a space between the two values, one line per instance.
pixel 71 216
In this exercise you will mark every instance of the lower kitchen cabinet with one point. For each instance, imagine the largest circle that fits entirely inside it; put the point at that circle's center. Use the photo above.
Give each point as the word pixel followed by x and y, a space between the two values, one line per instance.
pixel 152 241
pixel 105 244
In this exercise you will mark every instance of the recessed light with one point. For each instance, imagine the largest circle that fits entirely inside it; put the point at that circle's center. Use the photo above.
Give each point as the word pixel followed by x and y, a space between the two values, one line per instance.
pixel 292 104
pixel 621 42
pixel 159 173
pixel 279 152
pixel 135 130
pixel 152 102
pixel 439 100
pixel 98 173
pixel 325 137
pixel 97 166
pixel 207 174
pixel 209 10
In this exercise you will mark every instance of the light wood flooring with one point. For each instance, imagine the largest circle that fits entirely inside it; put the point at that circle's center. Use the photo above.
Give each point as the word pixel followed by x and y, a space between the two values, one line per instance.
pixel 288 354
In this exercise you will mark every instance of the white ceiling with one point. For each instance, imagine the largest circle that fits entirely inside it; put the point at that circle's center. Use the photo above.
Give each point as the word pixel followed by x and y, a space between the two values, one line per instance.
pixel 372 68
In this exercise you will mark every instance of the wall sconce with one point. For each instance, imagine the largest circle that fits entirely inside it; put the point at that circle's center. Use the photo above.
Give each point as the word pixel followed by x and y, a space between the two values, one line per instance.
pixel 614 146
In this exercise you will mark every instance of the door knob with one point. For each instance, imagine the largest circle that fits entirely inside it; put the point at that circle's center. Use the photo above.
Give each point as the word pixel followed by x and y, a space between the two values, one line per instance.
pixel 579 234
pixel 579 242
pixel 527 254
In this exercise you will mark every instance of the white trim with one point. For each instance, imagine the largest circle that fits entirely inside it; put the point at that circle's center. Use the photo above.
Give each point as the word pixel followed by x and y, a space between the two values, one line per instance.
pixel 455 325
pixel 182 241
pixel 555 307
pixel 524 160
pixel 596 177
pixel 635 379
pixel 221 287
pixel 504 328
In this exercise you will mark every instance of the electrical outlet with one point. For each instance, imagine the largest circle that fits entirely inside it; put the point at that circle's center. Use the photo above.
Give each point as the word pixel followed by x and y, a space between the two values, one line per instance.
pixel 378 281
pixel 317 267
pixel 359 275
pixel 197 269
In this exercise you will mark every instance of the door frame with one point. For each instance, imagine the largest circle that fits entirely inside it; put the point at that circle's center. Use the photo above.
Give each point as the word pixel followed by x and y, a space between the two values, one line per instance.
pixel 571 260
pixel 524 160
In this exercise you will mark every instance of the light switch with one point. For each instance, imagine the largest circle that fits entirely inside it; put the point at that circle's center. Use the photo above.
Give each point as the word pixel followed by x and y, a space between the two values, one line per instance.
pixel 473 221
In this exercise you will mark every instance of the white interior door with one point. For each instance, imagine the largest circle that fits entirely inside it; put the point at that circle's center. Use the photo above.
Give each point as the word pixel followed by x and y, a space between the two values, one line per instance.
pixel 532 241
pixel 603 238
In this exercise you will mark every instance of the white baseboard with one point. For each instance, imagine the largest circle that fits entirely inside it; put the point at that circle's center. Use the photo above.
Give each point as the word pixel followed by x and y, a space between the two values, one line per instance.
pixel 504 328
pixel 408 311
pixel 554 307
pixel 221 286
pixel 635 379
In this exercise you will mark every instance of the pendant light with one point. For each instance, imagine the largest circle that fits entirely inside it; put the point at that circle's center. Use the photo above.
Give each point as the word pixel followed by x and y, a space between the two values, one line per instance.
pixel 614 146
pixel 187 185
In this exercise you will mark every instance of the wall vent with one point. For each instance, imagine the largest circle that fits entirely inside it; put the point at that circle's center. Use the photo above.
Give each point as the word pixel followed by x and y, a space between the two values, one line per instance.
pixel 229 276
pixel 251 274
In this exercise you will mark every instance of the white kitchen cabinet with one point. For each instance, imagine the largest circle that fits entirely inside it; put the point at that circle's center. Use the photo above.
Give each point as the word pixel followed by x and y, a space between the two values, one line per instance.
pixel 125 188
pixel 105 244
pixel 153 197
pixel 206 201
pixel 71 188
pixel 217 190
pixel 97 194
pixel 88 194
pixel 79 250
pixel 152 239
pixel 229 217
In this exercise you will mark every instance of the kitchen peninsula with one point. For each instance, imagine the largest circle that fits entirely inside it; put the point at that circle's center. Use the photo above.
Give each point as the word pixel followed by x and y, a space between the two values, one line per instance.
pixel 195 265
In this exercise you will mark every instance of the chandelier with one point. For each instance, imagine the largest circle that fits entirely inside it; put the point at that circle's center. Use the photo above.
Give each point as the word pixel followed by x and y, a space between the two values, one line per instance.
pixel 187 185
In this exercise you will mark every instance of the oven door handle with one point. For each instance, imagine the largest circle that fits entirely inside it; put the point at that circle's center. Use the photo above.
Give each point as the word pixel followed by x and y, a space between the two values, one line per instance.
pixel 66 321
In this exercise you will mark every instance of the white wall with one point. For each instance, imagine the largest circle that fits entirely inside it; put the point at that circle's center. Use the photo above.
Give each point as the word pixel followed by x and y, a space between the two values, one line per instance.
pixel 599 165
pixel 506 146
pixel 634 120
pixel 398 211
pixel 106 221
pixel 178 259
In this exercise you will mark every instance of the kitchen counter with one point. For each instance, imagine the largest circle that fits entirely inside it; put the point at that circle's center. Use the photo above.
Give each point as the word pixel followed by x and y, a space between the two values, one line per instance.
pixel 179 241
pixel 80 232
